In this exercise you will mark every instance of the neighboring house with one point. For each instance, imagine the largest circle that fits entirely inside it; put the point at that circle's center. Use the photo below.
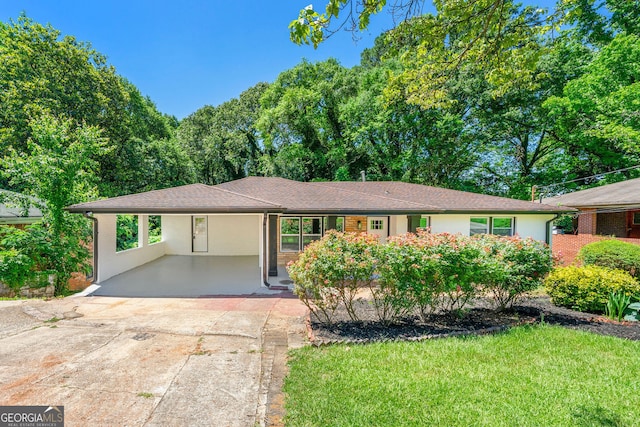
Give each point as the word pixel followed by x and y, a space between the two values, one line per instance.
pixel 611 210
pixel 273 219
pixel 15 211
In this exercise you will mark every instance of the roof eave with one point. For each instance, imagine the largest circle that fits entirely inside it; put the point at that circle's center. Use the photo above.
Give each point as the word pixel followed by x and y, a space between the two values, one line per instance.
pixel 184 211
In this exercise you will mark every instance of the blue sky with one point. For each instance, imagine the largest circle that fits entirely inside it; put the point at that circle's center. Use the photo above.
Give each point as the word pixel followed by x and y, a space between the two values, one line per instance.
pixel 190 53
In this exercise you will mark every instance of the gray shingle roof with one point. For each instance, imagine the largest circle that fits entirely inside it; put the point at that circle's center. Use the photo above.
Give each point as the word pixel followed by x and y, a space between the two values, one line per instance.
pixel 271 194
pixel 625 193
pixel 196 198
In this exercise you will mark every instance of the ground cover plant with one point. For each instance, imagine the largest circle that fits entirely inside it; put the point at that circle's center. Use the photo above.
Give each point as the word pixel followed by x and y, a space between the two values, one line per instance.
pixel 528 376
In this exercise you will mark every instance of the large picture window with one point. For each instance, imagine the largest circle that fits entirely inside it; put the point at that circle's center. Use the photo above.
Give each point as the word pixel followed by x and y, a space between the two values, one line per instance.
pixel 297 232
pixel 289 234
pixel 501 226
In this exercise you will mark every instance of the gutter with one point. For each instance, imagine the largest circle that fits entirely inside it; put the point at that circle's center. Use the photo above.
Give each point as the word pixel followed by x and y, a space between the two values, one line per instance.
pixel 547 230
pixel 94 274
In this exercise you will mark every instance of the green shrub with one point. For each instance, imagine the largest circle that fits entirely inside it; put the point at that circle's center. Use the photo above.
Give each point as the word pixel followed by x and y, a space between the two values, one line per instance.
pixel 512 266
pixel 333 269
pixel 613 254
pixel 409 277
pixel 588 288
pixel 16 269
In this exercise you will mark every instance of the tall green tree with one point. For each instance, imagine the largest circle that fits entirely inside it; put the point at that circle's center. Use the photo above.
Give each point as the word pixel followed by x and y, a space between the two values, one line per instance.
pixel 57 168
pixel 223 142
pixel 597 114
pixel 301 120
pixel 42 71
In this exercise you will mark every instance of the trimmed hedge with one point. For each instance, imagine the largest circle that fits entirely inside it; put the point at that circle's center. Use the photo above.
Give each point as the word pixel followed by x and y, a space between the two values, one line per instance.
pixel 612 254
pixel 588 288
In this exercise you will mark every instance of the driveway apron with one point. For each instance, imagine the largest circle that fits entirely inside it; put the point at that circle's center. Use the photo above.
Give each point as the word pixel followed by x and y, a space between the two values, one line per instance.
pixel 154 362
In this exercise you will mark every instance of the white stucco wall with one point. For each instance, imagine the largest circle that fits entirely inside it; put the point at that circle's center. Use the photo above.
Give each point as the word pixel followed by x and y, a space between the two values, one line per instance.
pixel 526 225
pixel 111 262
pixel 398 224
pixel 228 235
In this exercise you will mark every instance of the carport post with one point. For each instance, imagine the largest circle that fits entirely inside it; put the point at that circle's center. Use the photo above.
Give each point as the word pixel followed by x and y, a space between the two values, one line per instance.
pixel 265 277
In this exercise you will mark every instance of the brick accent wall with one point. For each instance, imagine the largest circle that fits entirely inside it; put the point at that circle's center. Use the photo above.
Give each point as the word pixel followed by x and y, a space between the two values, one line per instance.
pixel 351 224
pixel 566 246
pixel 612 224
pixel 587 223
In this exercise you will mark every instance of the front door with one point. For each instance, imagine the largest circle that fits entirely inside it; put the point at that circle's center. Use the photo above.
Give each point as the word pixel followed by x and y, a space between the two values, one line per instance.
pixel 378 225
pixel 199 233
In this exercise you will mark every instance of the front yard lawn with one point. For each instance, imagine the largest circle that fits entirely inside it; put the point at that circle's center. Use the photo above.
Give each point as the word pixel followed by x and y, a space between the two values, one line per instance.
pixel 529 376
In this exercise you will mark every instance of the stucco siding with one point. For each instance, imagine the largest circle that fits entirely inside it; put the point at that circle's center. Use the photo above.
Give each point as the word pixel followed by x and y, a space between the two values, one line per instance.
pixel 530 225
pixel 228 235
pixel 111 262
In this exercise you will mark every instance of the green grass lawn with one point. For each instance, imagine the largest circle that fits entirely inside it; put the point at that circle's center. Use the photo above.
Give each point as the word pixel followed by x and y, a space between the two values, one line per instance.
pixel 528 376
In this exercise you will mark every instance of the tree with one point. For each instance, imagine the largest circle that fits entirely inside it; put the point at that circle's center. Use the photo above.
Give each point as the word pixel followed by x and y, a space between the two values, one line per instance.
pixel 58 170
pixel 42 71
pixel 300 119
pixel 223 142
pixel 597 114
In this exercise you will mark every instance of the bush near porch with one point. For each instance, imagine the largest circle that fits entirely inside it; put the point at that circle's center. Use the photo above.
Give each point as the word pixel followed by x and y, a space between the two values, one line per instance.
pixel 423 271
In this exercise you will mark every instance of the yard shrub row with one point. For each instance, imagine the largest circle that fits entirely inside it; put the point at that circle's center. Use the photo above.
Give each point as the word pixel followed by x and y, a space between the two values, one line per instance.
pixel 589 288
pixel 424 272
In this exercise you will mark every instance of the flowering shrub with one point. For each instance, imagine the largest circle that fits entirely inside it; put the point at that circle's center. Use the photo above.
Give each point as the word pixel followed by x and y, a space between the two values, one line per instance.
pixel 512 266
pixel 588 288
pixel 333 269
pixel 421 271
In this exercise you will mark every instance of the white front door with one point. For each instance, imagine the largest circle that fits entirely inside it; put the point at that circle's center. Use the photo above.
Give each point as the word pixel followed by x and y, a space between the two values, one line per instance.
pixel 378 225
pixel 199 230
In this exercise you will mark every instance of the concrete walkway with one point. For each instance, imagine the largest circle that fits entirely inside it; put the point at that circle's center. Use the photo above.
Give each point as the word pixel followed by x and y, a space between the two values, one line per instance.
pixel 147 361
pixel 188 276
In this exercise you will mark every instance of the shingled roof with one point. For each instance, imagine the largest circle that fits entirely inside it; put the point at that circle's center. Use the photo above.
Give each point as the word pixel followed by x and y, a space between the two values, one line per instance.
pixel 271 194
pixel 625 193
pixel 195 198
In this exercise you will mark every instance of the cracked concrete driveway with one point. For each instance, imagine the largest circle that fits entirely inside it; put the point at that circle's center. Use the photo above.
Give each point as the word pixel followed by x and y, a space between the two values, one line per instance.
pixel 153 362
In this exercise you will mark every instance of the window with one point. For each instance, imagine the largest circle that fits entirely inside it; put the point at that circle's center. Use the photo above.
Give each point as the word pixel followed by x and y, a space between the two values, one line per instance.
pixel 479 226
pixel 502 226
pixel 155 229
pixel 414 222
pixel 636 218
pixel 376 224
pixel 289 234
pixel 311 230
pixel 126 232
pixel 338 227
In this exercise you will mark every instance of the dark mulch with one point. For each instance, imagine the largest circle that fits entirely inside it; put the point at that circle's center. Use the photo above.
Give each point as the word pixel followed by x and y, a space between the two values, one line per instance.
pixel 478 319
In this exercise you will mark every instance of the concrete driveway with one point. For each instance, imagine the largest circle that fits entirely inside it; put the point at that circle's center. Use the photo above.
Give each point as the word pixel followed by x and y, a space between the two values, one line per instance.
pixel 153 362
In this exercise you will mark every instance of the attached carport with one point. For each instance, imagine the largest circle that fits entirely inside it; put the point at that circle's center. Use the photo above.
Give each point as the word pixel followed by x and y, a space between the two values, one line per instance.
pixel 213 243
pixel 187 277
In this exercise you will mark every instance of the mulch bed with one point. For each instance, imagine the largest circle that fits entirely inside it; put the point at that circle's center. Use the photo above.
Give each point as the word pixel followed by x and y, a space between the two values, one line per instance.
pixel 478 319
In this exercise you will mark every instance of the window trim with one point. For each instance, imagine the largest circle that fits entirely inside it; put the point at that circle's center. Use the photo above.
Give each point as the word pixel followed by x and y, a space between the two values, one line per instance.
pixel 490 226
pixel 298 234
pixel 512 229
pixel 301 234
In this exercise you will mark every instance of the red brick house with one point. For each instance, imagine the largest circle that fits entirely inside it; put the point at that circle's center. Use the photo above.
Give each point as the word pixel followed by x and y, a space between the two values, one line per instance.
pixel 607 211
